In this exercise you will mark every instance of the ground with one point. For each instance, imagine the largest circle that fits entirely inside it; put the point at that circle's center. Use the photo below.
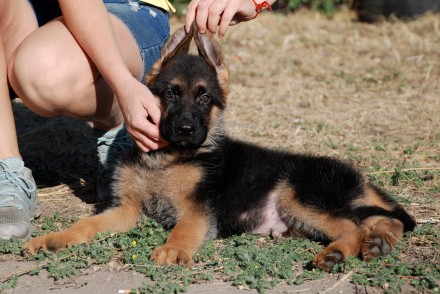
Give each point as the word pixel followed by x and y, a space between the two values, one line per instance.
pixel 304 82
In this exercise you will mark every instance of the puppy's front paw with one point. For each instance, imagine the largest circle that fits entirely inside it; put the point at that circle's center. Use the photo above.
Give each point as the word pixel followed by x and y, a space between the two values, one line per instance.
pixel 170 254
pixel 327 258
pixel 52 242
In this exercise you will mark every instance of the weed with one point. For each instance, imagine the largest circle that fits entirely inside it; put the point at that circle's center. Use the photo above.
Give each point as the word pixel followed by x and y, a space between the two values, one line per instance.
pixel 247 260
pixel 434 190
pixel 55 223
pixel 390 272
pixel 321 126
pixel 410 150
pixel 412 175
pixel 9 284
pixel 329 7
pixel 348 78
pixel 11 246
pixel 379 147
pixel 427 230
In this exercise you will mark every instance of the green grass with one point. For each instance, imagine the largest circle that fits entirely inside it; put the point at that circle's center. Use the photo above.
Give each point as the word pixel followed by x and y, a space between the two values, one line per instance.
pixel 247 260
pixel 256 262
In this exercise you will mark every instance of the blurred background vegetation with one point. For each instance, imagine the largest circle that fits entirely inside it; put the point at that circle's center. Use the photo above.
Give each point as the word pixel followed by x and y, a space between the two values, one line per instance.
pixel 326 6
pixel 367 10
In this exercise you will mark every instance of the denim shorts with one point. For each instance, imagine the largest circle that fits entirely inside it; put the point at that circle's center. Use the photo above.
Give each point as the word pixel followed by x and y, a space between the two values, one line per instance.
pixel 148 25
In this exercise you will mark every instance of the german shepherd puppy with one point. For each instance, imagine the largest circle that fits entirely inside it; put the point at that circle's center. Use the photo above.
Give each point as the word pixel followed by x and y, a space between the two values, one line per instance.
pixel 205 184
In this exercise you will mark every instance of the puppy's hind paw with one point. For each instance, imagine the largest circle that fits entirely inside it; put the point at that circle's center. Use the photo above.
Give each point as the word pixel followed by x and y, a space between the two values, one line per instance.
pixel 376 246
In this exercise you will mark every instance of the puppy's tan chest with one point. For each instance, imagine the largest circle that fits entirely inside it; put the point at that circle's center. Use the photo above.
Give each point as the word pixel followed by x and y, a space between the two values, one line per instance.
pixel 163 193
pixel 181 181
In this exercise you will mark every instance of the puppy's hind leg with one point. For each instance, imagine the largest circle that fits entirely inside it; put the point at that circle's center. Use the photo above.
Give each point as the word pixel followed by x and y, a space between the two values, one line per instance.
pixel 118 219
pixel 383 224
pixel 344 235
pixel 346 241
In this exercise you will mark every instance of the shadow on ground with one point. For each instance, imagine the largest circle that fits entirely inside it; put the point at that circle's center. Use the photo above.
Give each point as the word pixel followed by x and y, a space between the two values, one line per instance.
pixel 58 150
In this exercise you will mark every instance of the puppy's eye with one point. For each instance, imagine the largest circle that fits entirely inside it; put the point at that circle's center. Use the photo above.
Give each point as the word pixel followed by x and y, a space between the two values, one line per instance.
pixel 204 99
pixel 169 94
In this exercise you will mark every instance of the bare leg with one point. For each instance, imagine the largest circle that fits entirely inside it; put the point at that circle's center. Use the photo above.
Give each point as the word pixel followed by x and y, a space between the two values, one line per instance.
pixel 8 139
pixel 19 201
pixel 53 75
pixel 16 22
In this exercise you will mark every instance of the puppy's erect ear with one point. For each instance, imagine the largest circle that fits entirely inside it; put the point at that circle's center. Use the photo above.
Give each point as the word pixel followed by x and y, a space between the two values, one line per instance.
pixel 210 50
pixel 178 43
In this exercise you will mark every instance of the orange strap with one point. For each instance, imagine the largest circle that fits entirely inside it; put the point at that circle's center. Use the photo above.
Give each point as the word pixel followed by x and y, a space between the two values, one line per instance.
pixel 260 7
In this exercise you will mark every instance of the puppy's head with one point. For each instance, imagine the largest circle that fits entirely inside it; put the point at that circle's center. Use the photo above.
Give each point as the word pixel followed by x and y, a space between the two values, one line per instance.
pixel 191 89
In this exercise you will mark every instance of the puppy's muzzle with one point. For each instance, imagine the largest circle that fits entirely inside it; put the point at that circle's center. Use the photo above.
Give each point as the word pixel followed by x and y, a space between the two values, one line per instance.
pixel 186 131
pixel 186 125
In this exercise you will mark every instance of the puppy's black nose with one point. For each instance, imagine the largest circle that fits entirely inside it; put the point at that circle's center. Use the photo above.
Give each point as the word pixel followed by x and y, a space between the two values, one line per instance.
pixel 186 129
pixel 186 124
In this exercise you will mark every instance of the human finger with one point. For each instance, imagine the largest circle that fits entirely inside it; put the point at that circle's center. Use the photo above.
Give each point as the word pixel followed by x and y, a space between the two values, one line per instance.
pixel 190 14
pixel 143 126
pixel 202 15
pixel 154 112
pixel 146 147
pixel 214 15
pixel 151 131
pixel 226 19
pixel 145 142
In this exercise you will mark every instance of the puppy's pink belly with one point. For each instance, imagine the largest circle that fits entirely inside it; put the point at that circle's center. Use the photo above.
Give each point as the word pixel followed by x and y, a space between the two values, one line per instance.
pixel 271 222
pixel 273 226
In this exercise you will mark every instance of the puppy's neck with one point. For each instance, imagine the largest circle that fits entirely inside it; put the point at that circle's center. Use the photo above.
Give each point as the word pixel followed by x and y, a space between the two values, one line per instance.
pixel 162 158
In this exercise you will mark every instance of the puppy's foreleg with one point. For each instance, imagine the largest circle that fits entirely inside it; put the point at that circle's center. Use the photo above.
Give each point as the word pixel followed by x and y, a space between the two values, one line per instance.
pixel 184 240
pixel 118 219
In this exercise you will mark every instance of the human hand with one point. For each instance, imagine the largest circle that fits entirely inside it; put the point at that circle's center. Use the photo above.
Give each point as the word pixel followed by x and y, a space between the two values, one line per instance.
pixel 141 115
pixel 218 14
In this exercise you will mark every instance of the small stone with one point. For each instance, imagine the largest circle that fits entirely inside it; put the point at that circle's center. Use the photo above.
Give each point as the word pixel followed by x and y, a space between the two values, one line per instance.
pixel 304 104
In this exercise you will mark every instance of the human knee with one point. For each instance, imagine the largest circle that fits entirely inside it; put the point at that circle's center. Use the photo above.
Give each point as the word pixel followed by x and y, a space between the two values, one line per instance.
pixel 40 79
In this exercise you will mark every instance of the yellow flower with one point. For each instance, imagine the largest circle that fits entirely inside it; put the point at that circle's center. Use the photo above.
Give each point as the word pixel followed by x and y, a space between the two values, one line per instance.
pixel 134 256
pixel 134 243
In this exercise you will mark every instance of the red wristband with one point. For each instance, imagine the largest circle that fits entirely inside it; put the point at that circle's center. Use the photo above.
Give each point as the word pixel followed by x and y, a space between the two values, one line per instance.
pixel 260 7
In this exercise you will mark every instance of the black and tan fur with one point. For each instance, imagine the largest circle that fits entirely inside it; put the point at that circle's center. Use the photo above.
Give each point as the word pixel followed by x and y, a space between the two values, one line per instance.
pixel 205 184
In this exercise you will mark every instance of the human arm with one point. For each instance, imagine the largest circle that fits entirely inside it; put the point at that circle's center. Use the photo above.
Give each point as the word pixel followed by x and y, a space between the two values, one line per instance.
pixel 218 15
pixel 90 24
